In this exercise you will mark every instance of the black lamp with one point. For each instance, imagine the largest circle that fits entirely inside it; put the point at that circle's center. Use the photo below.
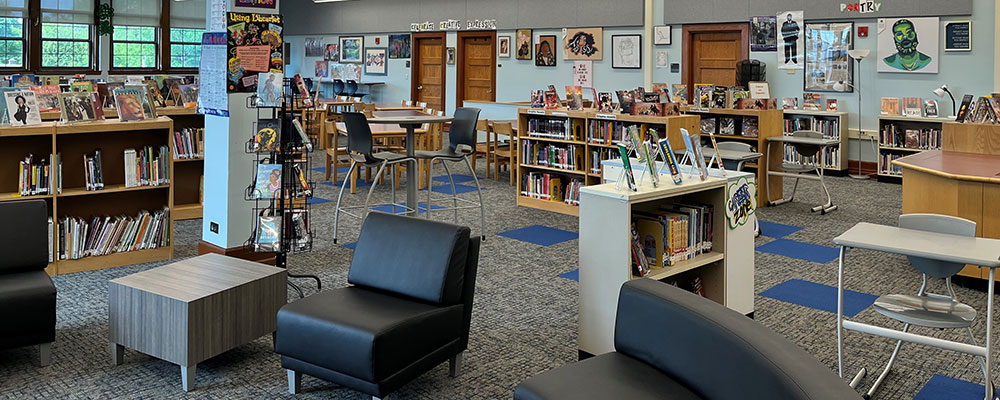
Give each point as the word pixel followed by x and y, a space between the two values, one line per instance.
pixel 940 93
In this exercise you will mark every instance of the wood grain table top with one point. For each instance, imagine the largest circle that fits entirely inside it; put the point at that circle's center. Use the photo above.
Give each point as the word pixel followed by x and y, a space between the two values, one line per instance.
pixel 955 165
pixel 198 277
pixel 399 113
pixel 396 107
pixel 381 129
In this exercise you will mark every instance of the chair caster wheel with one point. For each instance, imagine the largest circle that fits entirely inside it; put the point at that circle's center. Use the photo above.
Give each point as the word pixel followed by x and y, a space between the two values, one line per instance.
pixel 482 237
pixel 334 240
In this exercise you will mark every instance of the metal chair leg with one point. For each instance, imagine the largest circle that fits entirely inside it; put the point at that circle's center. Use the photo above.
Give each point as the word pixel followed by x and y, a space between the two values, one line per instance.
pixel 888 366
pixel 828 207
pixel 482 207
pixel 336 212
pixel 430 173
pixel 454 193
pixel 392 186
pixel 381 169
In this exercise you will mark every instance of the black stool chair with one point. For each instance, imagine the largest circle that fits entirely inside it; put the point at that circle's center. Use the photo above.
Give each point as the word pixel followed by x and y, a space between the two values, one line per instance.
pixel 338 88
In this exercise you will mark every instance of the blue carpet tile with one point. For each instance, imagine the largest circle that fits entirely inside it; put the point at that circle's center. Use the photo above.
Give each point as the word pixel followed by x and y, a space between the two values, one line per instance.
pixel 776 230
pixel 941 387
pixel 458 178
pixel 446 189
pixel 803 251
pixel 316 200
pixel 540 235
pixel 421 208
pixel 572 275
pixel 819 296
pixel 351 245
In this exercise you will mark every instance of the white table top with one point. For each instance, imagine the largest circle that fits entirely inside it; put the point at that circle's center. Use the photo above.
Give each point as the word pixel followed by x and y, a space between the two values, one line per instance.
pixel 910 242
pixel 734 155
pixel 410 119
pixel 803 140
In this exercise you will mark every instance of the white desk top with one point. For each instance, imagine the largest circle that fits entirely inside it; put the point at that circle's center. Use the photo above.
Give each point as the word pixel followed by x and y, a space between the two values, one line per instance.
pixel 910 242
pixel 803 140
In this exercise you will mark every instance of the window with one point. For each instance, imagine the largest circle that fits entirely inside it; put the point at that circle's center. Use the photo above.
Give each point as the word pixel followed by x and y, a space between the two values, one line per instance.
pixel 67 33
pixel 187 24
pixel 12 36
pixel 134 42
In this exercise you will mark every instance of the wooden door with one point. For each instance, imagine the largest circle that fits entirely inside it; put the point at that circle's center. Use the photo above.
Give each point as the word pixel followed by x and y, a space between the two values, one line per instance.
pixel 428 77
pixel 476 66
pixel 710 53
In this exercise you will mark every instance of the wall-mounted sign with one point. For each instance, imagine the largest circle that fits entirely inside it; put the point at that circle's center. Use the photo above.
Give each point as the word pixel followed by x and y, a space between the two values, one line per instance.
pixel 450 25
pixel 481 25
pixel 271 4
pixel 741 202
pixel 958 36
pixel 863 7
pixel 454 25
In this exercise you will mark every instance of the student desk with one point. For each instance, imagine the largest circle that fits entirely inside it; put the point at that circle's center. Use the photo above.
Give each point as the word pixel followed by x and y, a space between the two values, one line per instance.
pixel 931 245
pixel 803 172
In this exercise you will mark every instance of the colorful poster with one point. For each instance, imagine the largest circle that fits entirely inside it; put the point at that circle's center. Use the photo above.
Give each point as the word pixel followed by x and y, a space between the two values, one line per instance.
pixel 763 33
pixel 908 45
pixel 254 44
pixel 269 4
pixel 254 58
pixel 213 98
pixel 792 41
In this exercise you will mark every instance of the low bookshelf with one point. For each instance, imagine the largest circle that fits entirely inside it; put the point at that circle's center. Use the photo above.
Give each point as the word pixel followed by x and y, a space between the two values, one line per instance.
pixel 561 151
pixel 900 136
pixel 70 143
pixel 769 123
pixel 832 124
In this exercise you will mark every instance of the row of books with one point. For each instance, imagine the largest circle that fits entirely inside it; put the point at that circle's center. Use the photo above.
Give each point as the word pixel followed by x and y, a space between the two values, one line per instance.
pixel 793 157
pixel 986 109
pixel 272 231
pixel 675 232
pixel 892 135
pixel 165 89
pixel 569 157
pixel 98 236
pixel 732 126
pixel 147 167
pixel 542 185
pixel 829 127
pixel 190 143
pixel 36 176
pixel 553 128
pixel 911 107
pixel 607 132
pixel 573 192
pixel 885 165
pixel 600 154
pixel 93 174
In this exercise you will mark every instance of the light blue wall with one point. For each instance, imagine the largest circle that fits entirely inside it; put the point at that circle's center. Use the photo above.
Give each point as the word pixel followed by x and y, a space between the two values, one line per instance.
pixel 397 77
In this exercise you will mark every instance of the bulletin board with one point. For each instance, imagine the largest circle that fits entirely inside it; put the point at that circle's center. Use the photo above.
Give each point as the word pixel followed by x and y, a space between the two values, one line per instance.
pixel 254 45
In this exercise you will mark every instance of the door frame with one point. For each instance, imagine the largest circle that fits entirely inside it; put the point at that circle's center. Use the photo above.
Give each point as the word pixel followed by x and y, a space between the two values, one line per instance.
pixel 415 61
pixel 687 50
pixel 460 63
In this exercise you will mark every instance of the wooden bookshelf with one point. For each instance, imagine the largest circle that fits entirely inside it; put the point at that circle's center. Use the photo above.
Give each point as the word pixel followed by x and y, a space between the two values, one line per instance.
pixel 770 123
pixel 72 141
pixel 887 153
pixel 837 129
pixel 581 123
pixel 188 173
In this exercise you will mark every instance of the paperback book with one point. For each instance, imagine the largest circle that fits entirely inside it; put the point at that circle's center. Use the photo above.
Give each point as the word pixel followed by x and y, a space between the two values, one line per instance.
pixel 912 106
pixel 679 92
pixel 790 103
pixel 931 108
pixel 574 97
pixel 189 95
pixel 627 167
pixel 831 105
pixel 890 106
pixel 23 108
pixel 268 236
pixel 269 89
pixel 605 104
pixel 720 97
pixel 300 85
pixel 537 99
pixel 268 182
pixel 703 95
pixel 551 99
pixel 142 93
pixel 963 110
pixel 303 138
pixel 267 137
pixel 129 105
pixel 668 157
pixel 812 101
pixel 47 97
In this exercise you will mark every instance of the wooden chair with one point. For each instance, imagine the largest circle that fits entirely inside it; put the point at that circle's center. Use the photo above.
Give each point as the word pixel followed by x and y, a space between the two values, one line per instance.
pixel 483 149
pixel 504 152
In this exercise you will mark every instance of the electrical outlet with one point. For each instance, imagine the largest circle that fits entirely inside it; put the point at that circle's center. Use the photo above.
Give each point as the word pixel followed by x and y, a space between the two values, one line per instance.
pixel 214 227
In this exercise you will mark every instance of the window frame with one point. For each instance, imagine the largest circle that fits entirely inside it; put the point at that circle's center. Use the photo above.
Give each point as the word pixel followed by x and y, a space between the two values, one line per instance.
pixel 157 47
pixel 24 48
pixel 35 44
pixel 167 62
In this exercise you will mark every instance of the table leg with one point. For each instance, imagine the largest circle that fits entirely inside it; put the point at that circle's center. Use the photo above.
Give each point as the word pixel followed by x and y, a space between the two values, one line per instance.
pixel 840 313
pixel 989 336
pixel 117 354
pixel 187 377
pixel 411 172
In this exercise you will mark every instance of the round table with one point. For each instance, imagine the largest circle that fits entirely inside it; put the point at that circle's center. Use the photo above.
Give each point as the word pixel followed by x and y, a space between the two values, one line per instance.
pixel 411 123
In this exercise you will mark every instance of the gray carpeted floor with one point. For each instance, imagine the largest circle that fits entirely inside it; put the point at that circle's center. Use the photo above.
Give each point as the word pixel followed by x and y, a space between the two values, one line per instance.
pixel 524 320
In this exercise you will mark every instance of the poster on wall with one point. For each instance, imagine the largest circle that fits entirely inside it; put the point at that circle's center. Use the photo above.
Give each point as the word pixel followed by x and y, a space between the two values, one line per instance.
pixel 908 45
pixel 217 16
pixel 269 4
pixel 661 59
pixel 583 73
pixel 212 95
pixel 503 46
pixel 332 52
pixel 322 69
pixel 524 44
pixel 828 67
pixel 583 44
pixel 791 41
pixel 375 61
pixel 314 47
pixel 763 33
pixel 336 71
pixel 958 36
pixel 399 46
pixel 352 49
pixel 545 51
pixel 257 39
pixel 352 72
pixel 626 51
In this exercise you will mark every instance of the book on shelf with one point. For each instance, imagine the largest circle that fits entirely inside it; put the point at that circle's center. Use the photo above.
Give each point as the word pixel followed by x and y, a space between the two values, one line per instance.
pixel 189 95
pixel 912 107
pixel 790 103
pixel 963 110
pixel 703 94
pixel 750 127
pixel 81 86
pixel 736 97
pixel 23 80
pixel 890 106
pixel 48 80
pixel 77 107
pixel 551 155
pixel 303 138
pixel 266 138
pixel 727 126
pixel 267 237
pixel 297 228
pixel 708 124
pixel 537 98
pixel 267 184
pixel 720 97
pixel 51 232
pixel 885 166
pixel 573 192
pixel 627 168
pixel 154 92
pixel 146 167
pixel 303 189
pixel 47 97
pixel 830 153
pixel 931 108
pixel 99 236
pixel 542 185
pixel 647 108
pixel 894 136
pixel 556 128
pixel 670 158
pixel 831 105
pixel 662 91
pixel 129 105
pixel 574 98
pixel 93 174
pixel 300 85
pixel 142 93
pixel 675 232
pixel 551 100
pixel 605 103
pixel 679 92
pixel 189 143
pixel 812 101
pixel 22 108
pixel 640 263
pixel 35 176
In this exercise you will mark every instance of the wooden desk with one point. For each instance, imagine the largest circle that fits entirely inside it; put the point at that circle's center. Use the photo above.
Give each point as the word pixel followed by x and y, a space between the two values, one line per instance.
pixel 396 107
pixel 385 131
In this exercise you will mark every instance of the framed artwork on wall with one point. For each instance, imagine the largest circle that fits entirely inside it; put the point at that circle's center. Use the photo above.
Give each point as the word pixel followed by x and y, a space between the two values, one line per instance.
pixel 503 46
pixel 399 46
pixel 524 44
pixel 352 49
pixel 763 33
pixel 583 44
pixel 545 51
pixel 332 52
pixel 375 60
pixel 908 45
pixel 828 67
pixel 626 51
pixel 314 47
pixel 451 56
pixel 661 35
pixel 791 44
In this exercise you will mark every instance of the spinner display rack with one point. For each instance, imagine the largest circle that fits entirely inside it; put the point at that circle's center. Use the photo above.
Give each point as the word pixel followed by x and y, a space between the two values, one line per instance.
pixel 292 199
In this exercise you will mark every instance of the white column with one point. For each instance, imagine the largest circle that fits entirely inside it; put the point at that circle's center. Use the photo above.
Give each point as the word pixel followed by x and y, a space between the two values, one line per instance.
pixel 647 27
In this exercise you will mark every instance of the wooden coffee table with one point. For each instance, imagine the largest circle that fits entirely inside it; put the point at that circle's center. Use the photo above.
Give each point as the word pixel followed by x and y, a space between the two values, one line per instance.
pixel 195 309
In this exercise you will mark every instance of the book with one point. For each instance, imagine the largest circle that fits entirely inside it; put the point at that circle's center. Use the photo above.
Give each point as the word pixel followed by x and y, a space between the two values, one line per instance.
pixel 267 184
pixel 189 95
pixel 34 176
pixel 98 110
pixel 297 228
pixel 650 97
pixel 719 97
pixel 703 95
pixel 790 103
pixel 605 104
pixel 670 109
pixel 812 101
pixel 931 108
pixel 300 85
pixel 553 89
pixel 22 108
pixel 912 107
pixel 679 92
pixel 268 234
pixel 154 92
pixel 831 105
pixel 718 154
pixel 537 98
pixel 963 110
pixel 737 96
pixel 551 99
pixel 994 104
pixel 750 128
pixel 269 89
pixel 146 166
pixel 81 86
pixel 303 190
pixel 654 175
pixel 306 143
pixel 129 105
pixel 189 143
pixel 142 93
pixel 693 147
pixel 23 80
pixel 644 108
pixel 663 92
pixel 47 97
pixel 890 106
pixel 708 125
pixel 627 167
pixel 574 97
pixel 640 263
pixel 45 80
pixel 98 236
pixel 668 157
pixel 268 136
pixel 93 173
pixel 727 126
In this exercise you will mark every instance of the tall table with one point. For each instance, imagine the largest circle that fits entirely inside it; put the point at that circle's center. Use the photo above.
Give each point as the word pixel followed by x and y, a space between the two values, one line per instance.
pixel 411 123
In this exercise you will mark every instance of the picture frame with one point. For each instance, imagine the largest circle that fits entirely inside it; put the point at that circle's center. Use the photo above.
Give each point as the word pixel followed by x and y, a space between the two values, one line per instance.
pixel 583 44
pixel 626 51
pixel 376 60
pixel 954 32
pixel 451 56
pixel 827 67
pixel 922 58
pixel 545 51
pixel 314 46
pixel 399 46
pixel 503 46
pixel 662 35
pixel 352 49
pixel 759 90
pixel 524 44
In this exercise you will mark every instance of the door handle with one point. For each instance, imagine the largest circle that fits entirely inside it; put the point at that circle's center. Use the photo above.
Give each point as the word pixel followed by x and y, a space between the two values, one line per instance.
pixel 420 87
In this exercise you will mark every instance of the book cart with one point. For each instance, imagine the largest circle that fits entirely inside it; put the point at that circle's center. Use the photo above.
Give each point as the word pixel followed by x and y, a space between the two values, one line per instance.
pixel 281 223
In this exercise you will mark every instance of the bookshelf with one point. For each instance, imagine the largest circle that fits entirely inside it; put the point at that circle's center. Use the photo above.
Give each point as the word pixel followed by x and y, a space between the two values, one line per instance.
pixel 769 123
pixel 899 136
pixel 606 215
pixel 833 125
pixel 72 141
pixel 577 141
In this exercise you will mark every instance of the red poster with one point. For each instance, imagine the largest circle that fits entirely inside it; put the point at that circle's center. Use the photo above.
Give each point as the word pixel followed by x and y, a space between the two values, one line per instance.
pixel 254 58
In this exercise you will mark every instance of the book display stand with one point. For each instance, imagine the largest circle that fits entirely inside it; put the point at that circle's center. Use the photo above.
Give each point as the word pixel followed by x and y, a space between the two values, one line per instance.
pixel 280 187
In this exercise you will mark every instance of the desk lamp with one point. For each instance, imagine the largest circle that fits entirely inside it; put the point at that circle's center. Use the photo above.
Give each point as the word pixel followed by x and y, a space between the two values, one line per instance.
pixel 940 92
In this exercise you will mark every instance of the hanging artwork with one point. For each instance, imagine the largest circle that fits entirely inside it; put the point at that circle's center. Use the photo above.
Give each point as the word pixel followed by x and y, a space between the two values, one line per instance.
pixel 399 46
pixel 545 51
pixel 322 69
pixel 661 59
pixel 661 35
pixel 763 33
pixel 828 68
pixel 336 71
pixel 583 44
pixel 352 72
pixel 791 41
pixel 253 45
pixel 908 45
pixel 524 44
pixel 332 52
pixel 352 49
pixel 626 51
pixel 583 73
pixel 375 59
pixel 451 56
pixel 503 46
pixel 314 47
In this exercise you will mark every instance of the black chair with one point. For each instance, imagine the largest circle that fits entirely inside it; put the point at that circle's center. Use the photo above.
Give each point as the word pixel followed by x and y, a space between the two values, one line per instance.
pixel 352 89
pixel 461 145
pixel 359 148
pixel 409 309
pixel 27 295
pixel 338 88
pixel 672 344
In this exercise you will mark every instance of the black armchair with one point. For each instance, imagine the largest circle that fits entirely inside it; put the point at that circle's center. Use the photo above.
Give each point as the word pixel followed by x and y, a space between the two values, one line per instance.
pixel 27 295
pixel 408 310
pixel 671 344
